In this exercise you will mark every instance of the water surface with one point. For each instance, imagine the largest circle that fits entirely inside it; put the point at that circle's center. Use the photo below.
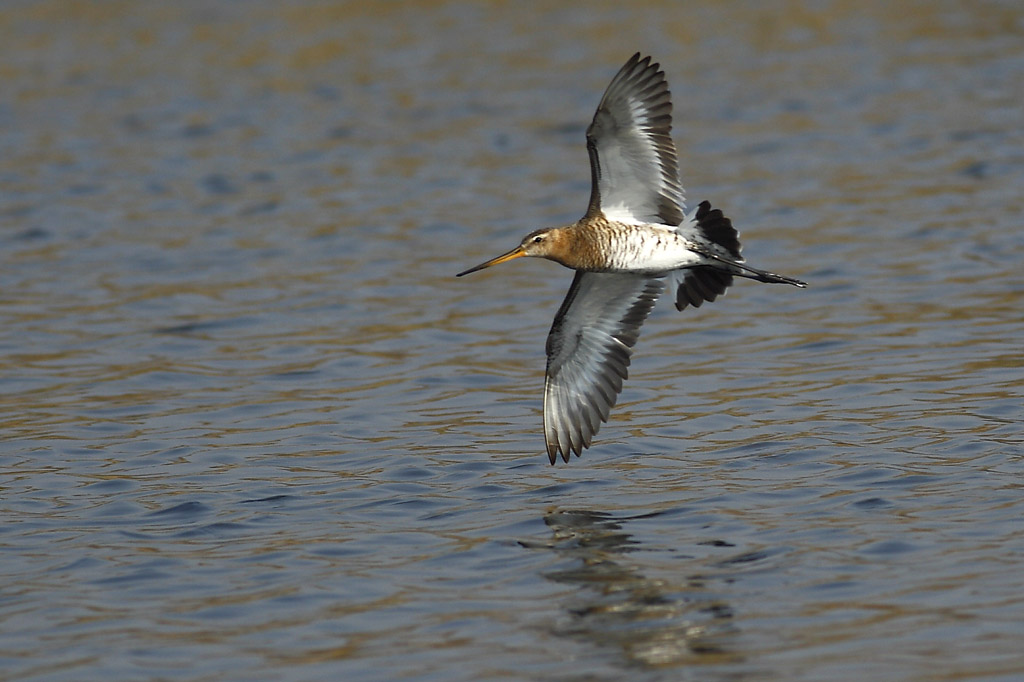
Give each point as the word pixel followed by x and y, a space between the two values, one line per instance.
pixel 255 429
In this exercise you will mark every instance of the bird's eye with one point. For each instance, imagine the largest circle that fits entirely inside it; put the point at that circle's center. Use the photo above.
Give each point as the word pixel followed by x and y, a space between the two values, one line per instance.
pixel 538 239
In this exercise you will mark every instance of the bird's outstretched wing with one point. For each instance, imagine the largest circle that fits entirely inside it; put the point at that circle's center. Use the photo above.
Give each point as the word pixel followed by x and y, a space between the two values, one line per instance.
pixel 588 350
pixel 633 166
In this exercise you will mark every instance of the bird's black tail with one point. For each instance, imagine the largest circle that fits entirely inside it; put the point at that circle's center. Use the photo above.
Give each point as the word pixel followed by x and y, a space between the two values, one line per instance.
pixel 716 228
pixel 708 282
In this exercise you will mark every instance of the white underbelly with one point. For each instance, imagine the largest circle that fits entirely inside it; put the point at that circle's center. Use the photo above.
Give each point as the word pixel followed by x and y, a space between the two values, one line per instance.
pixel 655 250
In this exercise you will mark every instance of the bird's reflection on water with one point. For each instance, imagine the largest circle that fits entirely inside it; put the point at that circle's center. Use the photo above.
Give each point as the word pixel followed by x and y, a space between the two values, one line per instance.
pixel 654 622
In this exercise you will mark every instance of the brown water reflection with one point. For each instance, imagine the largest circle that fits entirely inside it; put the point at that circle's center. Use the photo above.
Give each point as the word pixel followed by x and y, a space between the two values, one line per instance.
pixel 653 623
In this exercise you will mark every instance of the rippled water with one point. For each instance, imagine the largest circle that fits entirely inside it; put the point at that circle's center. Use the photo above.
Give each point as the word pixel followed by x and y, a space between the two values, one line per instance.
pixel 254 429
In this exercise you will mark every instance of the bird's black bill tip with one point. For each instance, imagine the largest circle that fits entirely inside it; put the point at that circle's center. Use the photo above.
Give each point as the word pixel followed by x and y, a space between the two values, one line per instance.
pixel 471 270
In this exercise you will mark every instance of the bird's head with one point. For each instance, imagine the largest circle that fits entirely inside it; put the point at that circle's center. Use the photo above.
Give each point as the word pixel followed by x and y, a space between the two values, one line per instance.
pixel 550 243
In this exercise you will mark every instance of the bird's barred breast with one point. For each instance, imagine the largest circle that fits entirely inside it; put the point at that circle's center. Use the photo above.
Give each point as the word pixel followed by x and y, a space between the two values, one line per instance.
pixel 652 249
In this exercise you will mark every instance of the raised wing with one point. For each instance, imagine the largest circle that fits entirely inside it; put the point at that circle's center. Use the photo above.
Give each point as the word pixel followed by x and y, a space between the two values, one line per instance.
pixel 633 167
pixel 588 349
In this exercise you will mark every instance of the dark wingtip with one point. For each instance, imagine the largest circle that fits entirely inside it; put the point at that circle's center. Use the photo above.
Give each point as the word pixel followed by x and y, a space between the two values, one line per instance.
pixel 566 452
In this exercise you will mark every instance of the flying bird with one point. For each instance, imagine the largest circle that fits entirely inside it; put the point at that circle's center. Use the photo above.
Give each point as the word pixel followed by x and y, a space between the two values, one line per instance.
pixel 636 239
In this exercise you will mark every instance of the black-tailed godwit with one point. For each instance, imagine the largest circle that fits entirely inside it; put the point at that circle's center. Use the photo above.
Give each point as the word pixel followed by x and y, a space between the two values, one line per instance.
pixel 635 239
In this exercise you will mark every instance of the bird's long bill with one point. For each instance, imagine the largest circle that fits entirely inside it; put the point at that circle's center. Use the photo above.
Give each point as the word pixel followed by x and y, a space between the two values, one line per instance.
pixel 517 252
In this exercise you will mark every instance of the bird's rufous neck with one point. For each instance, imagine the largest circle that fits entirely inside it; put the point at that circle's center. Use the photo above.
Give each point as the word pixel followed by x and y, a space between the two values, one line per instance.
pixel 580 246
